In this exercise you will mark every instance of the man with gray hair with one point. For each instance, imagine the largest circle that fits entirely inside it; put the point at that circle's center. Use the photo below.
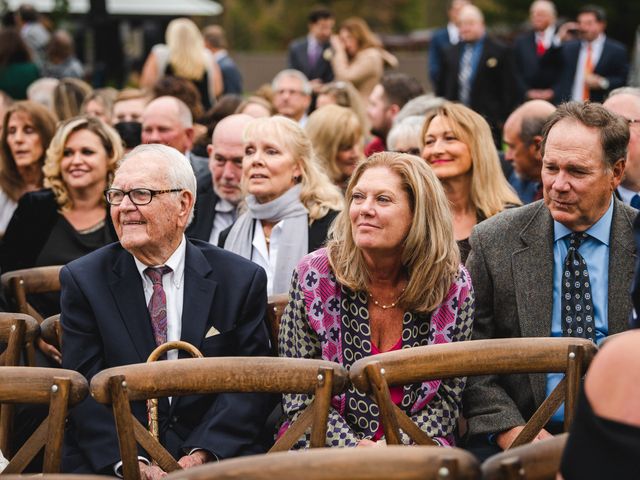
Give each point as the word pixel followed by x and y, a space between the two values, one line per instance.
pixel 625 101
pixel 522 136
pixel 523 262
pixel 168 120
pixel 122 301
pixel 292 95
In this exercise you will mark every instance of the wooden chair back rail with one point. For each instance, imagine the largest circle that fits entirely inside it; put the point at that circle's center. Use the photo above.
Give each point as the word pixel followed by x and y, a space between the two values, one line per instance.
pixel 121 385
pixel 374 375
pixel 215 375
pixel 34 280
pixel 536 461
pixel 60 389
pixel 340 463
pixel 275 309
pixel 60 476
pixel 17 330
pixel 51 331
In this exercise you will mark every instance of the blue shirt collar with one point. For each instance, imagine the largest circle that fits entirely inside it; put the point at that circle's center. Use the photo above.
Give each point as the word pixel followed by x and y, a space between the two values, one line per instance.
pixel 601 230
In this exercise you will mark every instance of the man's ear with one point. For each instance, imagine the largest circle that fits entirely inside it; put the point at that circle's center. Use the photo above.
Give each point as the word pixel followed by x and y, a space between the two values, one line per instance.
pixel 535 147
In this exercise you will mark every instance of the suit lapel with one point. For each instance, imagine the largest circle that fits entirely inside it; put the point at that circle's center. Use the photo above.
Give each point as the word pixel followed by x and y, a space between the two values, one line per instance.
pixel 199 290
pixel 126 287
pixel 622 255
pixel 533 278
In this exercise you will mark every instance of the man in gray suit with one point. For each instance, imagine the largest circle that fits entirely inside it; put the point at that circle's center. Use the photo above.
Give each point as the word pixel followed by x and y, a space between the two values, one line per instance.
pixel 517 264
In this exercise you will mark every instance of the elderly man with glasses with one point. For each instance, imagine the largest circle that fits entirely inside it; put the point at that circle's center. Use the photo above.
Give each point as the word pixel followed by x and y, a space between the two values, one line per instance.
pixel 154 286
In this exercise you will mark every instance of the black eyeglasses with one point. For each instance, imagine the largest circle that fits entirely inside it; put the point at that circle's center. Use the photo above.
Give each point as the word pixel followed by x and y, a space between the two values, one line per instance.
pixel 139 196
pixel 631 121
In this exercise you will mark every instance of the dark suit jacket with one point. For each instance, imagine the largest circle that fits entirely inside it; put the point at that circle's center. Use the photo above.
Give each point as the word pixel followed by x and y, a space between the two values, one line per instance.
pixel 613 65
pixel 494 91
pixel 231 76
pixel 511 266
pixel 533 71
pixel 440 42
pixel 299 60
pixel 635 287
pixel 204 214
pixel 106 323
pixel 318 232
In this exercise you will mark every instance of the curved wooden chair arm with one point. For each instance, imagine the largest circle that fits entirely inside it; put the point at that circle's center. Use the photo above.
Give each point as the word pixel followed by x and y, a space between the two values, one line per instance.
pixel 215 375
pixel 34 384
pixel 51 331
pixel 275 308
pixel 61 476
pixel 340 463
pixel 475 357
pixel 534 461
pixel 20 283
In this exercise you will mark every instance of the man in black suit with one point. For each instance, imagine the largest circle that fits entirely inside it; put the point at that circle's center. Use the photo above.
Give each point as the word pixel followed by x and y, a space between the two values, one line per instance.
pixel 311 55
pixel 195 292
pixel 593 65
pixel 537 53
pixel 479 72
pixel 216 205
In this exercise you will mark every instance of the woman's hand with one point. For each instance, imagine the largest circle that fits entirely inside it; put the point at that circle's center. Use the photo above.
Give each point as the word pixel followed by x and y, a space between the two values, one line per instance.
pixel 336 43
pixel 49 350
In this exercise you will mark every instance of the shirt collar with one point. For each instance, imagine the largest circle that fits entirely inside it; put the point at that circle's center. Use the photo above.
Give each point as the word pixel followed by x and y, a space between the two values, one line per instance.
pixel 223 206
pixel 175 262
pixel 597 43
pixel 601 230
pixel 626 194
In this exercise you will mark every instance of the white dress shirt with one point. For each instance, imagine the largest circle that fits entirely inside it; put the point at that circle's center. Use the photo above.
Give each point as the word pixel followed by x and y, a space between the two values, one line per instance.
pixel 173 285
pixel 454 33
pixel 263 256
pixel 224 217
pixel 578 81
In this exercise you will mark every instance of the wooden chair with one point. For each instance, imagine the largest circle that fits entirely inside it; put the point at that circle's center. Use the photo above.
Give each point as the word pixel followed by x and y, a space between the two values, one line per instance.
pixel 20 283
pixel 59 476
pixel 535 461
pixel 275 309
pixel 51 331
pixel 387 463
pixel 58 388
pixel 375 374
pixel 121 385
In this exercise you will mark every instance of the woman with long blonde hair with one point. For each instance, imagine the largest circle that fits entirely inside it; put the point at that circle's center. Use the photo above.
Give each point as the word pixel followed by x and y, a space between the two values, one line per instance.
pixel 458 145
pixel 184 55
pixel 290 203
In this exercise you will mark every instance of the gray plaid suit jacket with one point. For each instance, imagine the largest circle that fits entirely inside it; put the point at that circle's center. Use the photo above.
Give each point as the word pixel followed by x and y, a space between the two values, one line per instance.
pixel 511 267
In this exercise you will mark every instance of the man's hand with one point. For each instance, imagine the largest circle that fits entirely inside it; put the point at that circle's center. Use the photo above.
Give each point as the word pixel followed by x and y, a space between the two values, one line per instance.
pixel 151 472
pixel 506 438
pixel 49 350
pixel 595 82
pixel 365 442
pixel 540 94
pixel 198 457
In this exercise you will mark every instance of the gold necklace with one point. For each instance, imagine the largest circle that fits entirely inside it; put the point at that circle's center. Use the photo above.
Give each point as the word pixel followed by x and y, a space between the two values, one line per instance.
pixel 386 307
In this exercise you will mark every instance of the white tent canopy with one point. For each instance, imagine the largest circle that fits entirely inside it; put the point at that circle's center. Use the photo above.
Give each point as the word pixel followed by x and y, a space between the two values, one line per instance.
pixel 132 7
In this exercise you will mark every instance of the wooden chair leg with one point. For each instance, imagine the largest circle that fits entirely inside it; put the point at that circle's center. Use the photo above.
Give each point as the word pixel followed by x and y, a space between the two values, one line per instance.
pixel 124 427
pixel 58 408
pixel 375 374
pixel 575 359
pixel 321 411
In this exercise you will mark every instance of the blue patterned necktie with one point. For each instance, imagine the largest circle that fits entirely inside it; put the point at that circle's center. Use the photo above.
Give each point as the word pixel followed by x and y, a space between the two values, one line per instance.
pixel 577 304
pixel 464 74
pixel 635 201
pixel 158 303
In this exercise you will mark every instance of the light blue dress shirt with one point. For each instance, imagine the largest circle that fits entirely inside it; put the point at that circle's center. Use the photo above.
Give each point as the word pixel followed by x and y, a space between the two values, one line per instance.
pixel 595 251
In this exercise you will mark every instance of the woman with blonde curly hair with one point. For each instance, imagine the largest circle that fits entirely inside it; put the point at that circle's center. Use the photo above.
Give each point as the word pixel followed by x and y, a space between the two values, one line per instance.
pixel 290 203
pixel 390 278
pixel 69 218
pixel 459 147
pixel 185 56
pixel 337 138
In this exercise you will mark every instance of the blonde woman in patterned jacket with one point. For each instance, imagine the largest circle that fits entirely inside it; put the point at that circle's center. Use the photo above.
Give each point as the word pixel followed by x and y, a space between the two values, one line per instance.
pixel 389 278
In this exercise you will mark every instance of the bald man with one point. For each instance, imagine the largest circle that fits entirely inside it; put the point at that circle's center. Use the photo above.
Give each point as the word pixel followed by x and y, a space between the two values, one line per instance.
pixel 216 206
pixel 537 53
pixel 168 121
pixel 625 101
pixel 522 136
pixel 479 72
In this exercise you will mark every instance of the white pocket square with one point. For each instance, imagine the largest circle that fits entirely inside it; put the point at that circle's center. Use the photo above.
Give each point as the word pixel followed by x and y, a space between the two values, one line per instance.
pixel 213 331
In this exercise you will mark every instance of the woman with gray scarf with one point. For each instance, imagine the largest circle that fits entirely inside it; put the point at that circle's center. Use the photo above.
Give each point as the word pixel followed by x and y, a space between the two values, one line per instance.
pixel 290 203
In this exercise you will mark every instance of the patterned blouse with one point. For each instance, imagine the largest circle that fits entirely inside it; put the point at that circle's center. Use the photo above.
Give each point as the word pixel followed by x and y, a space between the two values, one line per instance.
pixel 326 320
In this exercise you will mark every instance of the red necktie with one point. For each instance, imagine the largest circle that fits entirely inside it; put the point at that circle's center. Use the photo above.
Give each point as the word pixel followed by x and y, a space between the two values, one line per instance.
pixel 588 70
pixel 540 47
pixel 158 303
